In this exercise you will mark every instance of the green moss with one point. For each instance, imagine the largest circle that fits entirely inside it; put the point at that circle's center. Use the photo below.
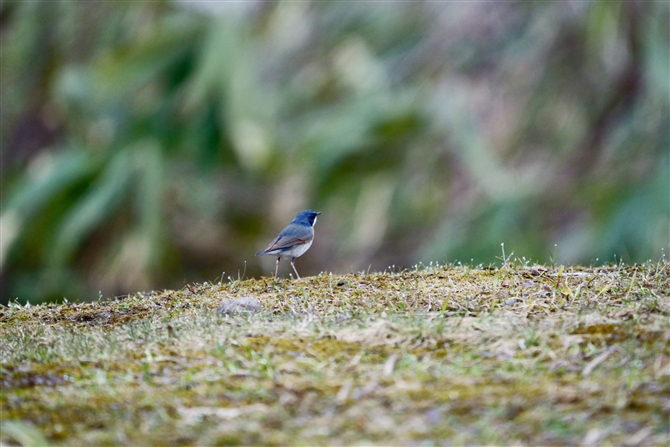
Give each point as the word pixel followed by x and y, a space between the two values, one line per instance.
pixel 397 358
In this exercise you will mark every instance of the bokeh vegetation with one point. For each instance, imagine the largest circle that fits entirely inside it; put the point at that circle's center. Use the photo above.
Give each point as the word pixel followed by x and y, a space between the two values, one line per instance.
pixel 145 144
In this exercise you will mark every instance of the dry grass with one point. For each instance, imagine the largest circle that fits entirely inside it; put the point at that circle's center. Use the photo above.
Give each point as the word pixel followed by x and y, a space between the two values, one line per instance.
pixel 455 355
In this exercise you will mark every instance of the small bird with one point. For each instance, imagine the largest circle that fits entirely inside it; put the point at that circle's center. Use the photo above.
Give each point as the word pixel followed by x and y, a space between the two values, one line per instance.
pixel 294 240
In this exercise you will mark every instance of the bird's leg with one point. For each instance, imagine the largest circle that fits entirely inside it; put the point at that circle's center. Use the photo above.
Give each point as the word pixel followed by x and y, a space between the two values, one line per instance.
pixel 293 265
pixel 277 267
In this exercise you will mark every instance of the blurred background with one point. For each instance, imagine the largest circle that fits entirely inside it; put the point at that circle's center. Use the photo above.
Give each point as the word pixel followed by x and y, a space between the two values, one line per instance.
pixel 150 144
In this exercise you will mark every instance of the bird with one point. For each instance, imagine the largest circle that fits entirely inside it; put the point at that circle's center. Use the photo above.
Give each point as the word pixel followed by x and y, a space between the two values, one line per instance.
pixel 294 240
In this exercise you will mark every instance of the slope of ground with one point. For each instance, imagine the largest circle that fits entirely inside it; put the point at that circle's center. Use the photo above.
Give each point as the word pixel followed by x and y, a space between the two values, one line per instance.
pixel 457 355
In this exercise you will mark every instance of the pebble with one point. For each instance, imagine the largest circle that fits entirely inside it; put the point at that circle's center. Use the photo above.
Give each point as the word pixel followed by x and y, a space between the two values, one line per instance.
pixel 238 305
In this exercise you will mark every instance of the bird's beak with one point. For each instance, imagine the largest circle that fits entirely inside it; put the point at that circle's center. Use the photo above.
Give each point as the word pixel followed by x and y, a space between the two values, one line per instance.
pixel 318 212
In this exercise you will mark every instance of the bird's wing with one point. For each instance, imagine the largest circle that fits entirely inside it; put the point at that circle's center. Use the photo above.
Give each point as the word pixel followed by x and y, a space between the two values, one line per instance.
pixel 290 236
pixel 287 240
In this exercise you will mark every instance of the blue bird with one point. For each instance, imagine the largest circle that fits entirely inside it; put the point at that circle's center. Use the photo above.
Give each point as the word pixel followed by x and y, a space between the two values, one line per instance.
pixel 294 240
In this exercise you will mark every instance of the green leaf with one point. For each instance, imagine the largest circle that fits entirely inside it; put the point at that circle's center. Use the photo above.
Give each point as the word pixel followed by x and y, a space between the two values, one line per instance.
pixel 101 200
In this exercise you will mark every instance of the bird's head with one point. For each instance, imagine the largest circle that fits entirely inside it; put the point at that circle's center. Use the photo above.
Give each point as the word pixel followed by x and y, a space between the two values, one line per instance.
pixel 307 217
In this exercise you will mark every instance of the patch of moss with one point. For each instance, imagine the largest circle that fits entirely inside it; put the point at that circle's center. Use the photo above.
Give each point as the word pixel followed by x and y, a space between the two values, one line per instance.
pixel 533 355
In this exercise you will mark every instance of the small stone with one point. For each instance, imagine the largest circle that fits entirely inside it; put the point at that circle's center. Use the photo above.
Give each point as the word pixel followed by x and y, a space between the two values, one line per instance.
pixel 238 305
pixel 434 416
pixel 511 301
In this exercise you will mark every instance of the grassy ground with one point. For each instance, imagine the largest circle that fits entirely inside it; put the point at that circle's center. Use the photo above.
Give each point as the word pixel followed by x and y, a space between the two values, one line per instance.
pixel 455 355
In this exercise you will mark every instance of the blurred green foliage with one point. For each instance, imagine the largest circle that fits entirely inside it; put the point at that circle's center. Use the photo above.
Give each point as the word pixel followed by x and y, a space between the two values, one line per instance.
pixel 145 144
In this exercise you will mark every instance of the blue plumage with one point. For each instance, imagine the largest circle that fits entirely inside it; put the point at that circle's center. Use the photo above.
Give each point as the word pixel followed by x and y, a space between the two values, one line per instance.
pixel 294 240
